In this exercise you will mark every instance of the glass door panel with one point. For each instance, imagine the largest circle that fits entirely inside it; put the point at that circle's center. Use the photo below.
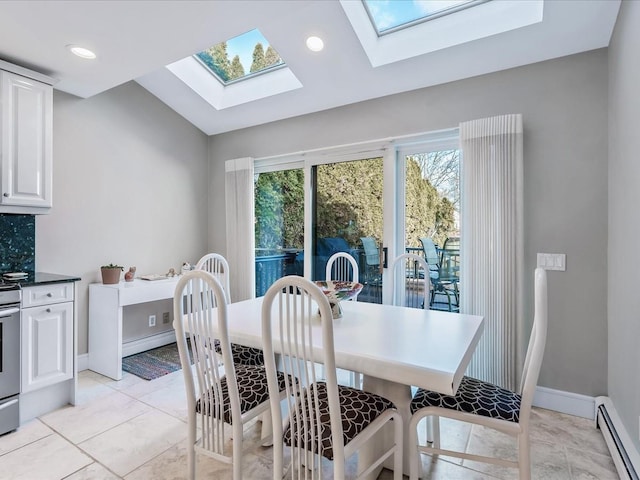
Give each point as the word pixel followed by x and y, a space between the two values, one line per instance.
pixel 432 216
pixel 279 226
pixel 347 217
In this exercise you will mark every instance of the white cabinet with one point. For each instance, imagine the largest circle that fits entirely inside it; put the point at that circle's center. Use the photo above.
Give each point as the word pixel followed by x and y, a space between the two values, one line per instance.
pixel 26 113
pixel 47 335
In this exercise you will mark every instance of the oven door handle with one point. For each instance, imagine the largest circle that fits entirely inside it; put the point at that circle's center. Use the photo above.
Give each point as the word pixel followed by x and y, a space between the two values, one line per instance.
pixel 8 312
pixel 8 404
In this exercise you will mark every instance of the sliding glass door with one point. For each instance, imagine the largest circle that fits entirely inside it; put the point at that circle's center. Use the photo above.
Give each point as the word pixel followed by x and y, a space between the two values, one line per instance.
pixel 384 198
pixel 347 217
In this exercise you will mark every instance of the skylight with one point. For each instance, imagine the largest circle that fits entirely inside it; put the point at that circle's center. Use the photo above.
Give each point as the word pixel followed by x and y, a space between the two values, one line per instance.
pixel 388 16
pixel 486 19
pixel 240 57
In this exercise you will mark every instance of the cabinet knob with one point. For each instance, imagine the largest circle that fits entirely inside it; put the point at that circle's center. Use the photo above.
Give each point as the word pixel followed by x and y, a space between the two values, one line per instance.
pixel 48 310
pixel 49 295
pixel 5 194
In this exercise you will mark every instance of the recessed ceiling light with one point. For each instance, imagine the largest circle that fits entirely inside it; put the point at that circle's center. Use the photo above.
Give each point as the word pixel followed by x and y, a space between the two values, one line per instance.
pixel 81 52
pixel 315 44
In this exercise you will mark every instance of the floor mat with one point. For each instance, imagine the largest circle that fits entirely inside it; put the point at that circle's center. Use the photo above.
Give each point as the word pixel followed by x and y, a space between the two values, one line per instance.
pixel 153 363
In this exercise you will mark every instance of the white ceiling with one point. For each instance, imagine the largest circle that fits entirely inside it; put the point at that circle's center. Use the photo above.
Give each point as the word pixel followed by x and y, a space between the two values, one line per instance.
pixel 135 40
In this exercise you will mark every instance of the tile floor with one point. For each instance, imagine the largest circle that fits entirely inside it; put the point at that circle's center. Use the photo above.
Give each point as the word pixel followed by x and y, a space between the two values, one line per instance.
pixel 135 430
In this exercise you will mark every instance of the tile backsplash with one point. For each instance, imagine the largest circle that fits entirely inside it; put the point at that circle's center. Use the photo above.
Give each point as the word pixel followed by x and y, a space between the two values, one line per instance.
pixel 17 243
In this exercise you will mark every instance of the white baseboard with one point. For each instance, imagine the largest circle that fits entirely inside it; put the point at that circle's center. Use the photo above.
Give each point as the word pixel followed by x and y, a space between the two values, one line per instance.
pixel 82 361
pixel 147 343
pixel 565 402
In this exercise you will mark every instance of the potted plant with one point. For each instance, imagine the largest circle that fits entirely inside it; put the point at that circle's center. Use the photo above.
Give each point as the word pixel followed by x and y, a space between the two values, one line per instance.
pixel 111 273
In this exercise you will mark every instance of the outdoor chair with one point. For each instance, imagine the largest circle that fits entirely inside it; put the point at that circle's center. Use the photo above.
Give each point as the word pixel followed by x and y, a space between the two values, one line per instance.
pixel 218 266
pixel 485 404
pixel 372 275
pixel 442 280
pixel 215 399
pixel 325 419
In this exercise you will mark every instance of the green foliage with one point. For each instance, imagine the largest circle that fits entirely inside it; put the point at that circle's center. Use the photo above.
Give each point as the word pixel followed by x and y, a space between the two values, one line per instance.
pixel 258 62
pixel 349 205
pixel 111 265
pixel 216 58
pixel 236 70
pixel 279 209
pixel 271 57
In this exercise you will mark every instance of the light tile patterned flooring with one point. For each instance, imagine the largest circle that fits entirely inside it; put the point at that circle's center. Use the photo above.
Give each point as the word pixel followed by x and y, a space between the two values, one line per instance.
pixel 135 430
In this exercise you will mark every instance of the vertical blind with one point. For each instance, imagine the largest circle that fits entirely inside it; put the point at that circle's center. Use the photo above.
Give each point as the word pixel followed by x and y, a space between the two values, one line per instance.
pixel 492 241
pixel 239 222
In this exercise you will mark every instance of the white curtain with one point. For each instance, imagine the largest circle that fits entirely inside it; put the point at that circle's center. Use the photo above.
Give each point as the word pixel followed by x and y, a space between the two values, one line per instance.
pixel 240 219
pixel 492 243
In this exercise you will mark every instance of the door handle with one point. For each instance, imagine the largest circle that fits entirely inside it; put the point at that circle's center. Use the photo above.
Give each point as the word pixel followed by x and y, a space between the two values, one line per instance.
pixel 385 252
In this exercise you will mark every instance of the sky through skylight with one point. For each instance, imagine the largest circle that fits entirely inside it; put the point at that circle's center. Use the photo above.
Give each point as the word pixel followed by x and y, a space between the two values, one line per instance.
pixel 390 14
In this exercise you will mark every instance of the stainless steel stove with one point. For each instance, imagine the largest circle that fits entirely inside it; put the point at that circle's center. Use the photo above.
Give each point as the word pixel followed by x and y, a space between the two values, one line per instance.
pixel 10 296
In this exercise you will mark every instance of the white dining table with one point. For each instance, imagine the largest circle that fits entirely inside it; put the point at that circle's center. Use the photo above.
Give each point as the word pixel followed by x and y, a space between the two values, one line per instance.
pixel 393 347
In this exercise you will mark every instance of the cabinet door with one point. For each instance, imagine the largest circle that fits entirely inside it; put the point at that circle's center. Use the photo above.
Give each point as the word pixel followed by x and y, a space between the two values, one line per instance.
pixel 47 345
pixel 27 107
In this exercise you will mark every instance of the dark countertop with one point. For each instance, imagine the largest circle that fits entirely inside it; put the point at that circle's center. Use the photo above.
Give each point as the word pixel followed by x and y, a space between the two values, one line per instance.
pixel 42 278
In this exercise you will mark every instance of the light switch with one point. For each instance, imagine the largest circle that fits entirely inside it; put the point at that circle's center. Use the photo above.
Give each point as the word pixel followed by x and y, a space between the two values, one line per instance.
pixel 552 261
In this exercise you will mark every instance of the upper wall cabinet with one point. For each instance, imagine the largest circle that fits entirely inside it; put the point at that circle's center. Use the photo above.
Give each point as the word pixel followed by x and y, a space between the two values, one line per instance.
pixel 26 115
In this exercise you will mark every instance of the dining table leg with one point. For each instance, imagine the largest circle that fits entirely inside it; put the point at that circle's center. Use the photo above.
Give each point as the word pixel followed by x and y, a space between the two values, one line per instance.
pixel 400 395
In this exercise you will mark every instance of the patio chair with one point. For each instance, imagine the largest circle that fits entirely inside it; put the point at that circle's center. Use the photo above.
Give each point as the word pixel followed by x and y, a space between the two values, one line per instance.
pixel 485 404
pixel 442 281
pixel 372 277
pixel 326 419
pixel 218 266
pixel 214 399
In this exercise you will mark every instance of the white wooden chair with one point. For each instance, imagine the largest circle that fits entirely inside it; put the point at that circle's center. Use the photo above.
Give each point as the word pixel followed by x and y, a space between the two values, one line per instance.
pixel 342 266
pixel 218 266
pixel 326 419
pixel 486 404
pixel 217 403
pixel 410 281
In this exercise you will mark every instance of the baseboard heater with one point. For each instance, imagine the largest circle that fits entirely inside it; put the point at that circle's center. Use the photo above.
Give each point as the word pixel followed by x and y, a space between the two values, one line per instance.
pixel 623 452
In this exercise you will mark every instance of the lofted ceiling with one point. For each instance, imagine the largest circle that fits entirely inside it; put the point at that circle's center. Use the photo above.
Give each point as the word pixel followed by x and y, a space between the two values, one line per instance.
pixel 136 40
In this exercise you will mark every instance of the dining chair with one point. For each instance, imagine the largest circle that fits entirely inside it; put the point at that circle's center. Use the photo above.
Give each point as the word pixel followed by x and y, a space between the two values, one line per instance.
pixel 218 266
pixel 217 396
pixel 343 267
pixel 326 419
pixel 412 270
pixel 485 404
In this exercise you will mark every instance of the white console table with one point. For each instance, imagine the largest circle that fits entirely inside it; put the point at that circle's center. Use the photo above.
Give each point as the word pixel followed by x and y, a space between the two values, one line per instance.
pixel 105 318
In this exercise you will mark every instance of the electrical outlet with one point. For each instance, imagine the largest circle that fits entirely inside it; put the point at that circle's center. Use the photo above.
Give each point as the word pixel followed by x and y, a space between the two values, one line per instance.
pixel 152 320
pixel 165 317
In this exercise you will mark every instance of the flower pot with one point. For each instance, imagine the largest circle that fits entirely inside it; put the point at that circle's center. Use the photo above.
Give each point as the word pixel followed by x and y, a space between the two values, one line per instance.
pixel 110 275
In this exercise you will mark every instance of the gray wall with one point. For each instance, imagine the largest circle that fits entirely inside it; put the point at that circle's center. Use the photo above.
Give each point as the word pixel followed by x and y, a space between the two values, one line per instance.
pixel 564 106
pixel 624 223
pixel 129 187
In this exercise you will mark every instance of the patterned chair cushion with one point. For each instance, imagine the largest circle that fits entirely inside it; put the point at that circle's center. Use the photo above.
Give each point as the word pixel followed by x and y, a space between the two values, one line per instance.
pixel 473 396
pixel 358 409
pixel 252 389
pixel 242 355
